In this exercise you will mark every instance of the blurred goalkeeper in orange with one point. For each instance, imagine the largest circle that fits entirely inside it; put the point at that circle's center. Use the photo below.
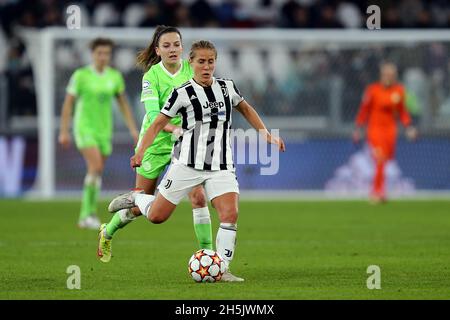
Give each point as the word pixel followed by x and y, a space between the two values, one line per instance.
pixel 383 103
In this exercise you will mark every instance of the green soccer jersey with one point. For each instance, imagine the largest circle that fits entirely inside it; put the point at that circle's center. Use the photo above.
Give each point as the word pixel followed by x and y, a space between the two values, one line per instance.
pixel 157 84
pixel 94 94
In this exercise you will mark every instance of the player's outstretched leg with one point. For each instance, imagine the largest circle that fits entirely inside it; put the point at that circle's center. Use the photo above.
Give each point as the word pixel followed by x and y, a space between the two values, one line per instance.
pixel 124 201
pixel 120 219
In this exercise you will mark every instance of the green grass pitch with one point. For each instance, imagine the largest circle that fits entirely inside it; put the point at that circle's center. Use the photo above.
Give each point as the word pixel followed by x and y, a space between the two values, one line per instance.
pixel 285 250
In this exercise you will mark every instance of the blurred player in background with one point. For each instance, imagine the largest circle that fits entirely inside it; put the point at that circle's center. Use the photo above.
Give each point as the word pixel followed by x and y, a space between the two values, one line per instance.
pixel 165 69
pixel 206 104
pixel 383 103
pixel 91 90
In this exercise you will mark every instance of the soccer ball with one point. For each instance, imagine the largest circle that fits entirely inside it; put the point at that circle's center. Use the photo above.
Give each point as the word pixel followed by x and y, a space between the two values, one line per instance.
pixel 206 266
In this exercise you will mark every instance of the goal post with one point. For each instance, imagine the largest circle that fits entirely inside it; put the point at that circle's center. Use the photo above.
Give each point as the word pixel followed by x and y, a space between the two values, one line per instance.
pixel 303 81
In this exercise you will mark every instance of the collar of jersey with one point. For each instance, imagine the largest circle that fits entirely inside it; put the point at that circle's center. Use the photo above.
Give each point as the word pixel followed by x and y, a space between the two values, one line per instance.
pixel 200 86
pixel 96 72
pixel 167 71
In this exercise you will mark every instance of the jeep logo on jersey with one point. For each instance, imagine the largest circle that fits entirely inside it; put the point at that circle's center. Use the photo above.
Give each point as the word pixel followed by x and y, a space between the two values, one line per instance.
pixel 214 104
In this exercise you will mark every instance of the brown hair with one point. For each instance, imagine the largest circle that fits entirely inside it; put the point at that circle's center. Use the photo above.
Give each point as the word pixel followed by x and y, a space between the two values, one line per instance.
pixel 201 44
pixel 148 57
pixel 101 42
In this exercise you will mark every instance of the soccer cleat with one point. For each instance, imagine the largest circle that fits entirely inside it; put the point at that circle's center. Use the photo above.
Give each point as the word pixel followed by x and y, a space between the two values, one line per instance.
pixel 229 277
pixel 123 201
pixel 104 245
pixel 90 222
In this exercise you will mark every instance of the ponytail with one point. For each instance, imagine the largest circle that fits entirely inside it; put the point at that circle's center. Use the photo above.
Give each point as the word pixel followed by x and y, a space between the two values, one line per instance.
pixel 148 57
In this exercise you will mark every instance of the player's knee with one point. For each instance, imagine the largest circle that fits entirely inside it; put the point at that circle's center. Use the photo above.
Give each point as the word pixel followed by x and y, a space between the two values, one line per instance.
pixel 96 170
pixel 198 199
pixel 156 219
pixel 157 215
pixel 99 169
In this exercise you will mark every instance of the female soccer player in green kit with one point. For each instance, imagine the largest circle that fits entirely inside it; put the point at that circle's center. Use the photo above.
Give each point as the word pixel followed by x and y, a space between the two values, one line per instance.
pixel 165 70
pixel 92 89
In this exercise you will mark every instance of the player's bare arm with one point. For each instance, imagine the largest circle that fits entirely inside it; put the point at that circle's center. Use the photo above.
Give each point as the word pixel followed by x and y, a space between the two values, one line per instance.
pixel 66 114
pixel 125 109
pixel 160 122
pixel 255 121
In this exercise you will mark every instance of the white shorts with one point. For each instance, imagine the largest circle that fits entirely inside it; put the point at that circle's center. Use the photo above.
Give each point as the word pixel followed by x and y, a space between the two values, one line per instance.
pixel 181 179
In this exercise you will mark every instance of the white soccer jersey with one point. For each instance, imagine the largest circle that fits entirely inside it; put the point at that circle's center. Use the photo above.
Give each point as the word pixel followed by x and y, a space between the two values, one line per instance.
pixel 206 121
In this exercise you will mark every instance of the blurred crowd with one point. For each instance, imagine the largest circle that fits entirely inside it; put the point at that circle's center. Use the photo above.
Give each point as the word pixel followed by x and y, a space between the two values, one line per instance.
pixel 227 13
pixel 16 77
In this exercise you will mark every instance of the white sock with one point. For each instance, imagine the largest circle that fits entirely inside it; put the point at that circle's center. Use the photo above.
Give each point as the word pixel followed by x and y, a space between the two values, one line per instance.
pixel 144 202
pixel 226 241
pixel 93 179
pixel 126 216
pixel 201 216
pixel 98 182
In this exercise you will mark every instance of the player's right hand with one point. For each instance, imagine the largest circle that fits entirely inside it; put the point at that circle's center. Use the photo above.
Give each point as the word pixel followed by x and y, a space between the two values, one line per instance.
pixel 64 139
pixel 136 160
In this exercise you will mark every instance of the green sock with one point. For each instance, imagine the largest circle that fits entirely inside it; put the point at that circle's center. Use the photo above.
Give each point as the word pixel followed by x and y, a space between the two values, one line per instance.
pixel 90 194
pixel 94 197
pixel 118 221
pixel 204 235
pixel 86 202
pixel 202 227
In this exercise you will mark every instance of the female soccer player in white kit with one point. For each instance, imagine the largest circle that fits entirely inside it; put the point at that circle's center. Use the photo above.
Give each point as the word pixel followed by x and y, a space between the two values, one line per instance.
pixel 202 155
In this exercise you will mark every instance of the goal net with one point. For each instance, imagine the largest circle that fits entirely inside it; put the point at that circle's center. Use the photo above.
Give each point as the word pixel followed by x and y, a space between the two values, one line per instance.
pixel 307 84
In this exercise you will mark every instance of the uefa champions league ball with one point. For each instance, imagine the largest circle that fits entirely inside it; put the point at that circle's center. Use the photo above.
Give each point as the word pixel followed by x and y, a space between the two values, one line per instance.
pixel 206 266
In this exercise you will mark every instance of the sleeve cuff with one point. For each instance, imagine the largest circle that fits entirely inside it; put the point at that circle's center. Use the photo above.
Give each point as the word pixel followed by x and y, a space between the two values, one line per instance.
pixel 149 98
pixel 164 112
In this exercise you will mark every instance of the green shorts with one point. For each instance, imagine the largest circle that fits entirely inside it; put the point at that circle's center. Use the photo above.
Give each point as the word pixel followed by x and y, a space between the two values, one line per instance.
pixel 153 165
pixel 87 140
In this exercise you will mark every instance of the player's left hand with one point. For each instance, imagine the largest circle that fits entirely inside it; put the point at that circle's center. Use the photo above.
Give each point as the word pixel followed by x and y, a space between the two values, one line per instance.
pixel 411 133
pixel 278 141
pixel 177 133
